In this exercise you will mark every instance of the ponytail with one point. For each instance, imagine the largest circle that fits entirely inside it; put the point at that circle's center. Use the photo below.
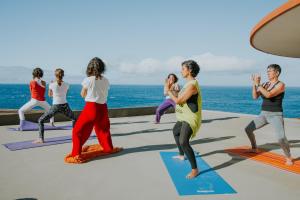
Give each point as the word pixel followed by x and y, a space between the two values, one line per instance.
pixel 59 74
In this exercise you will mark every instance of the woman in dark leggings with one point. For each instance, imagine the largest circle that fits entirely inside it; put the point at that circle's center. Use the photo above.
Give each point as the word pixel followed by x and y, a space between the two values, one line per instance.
pixel 188 114
pixel 58 90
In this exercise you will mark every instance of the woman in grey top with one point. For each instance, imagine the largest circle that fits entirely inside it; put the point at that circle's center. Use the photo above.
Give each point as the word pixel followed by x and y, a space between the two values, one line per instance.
pixel 272 93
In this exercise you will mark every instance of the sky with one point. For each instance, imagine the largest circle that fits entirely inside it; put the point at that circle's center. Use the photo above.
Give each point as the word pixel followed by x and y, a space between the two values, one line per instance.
pixel 140 41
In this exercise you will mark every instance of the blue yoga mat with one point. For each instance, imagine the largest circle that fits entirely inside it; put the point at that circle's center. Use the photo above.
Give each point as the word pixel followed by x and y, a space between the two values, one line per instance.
pixel 49 141
pixel 207 182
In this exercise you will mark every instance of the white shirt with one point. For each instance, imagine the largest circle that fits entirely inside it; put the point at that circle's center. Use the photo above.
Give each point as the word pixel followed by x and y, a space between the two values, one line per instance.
pixel 59 92
pixel 97 90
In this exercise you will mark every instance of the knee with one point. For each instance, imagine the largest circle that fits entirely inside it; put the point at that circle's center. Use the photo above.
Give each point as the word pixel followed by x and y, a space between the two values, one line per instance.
pixel 158 111
pixel 184 143
pixel 282 140
pixel 250 128
pixel 41 120
pixel 175 132
pixel 20 111
pixel 247 129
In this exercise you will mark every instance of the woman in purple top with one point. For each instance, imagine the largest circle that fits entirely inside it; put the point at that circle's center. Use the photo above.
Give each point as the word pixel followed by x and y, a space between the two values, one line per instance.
pixel 168 102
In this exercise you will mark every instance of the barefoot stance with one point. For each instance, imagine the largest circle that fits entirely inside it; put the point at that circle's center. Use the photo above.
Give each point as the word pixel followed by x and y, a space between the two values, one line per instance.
pixel 179 157
pixel 38 141
pixel 194 173
pixel 252 151
pixel 289 161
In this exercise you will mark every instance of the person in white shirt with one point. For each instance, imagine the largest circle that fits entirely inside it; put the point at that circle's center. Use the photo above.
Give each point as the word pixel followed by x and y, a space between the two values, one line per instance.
pixel 94 114
pixel 58 90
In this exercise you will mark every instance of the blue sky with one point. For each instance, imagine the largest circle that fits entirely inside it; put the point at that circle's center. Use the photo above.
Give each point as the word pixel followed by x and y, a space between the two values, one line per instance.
pixel 141 41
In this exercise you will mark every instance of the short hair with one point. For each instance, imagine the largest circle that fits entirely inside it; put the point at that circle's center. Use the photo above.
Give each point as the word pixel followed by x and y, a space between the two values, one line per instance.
pixel 175 77
pixel 276 68
pixel 192 66
pixel 59 73
pixel 37 72
pixel 96 67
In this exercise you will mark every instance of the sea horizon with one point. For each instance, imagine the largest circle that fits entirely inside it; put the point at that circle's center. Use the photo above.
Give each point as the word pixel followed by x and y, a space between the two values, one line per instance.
pixel 235 99
pixel 119 84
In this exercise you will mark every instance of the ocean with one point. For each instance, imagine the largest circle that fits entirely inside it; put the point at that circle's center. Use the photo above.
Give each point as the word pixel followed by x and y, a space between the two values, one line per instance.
pixel 228 99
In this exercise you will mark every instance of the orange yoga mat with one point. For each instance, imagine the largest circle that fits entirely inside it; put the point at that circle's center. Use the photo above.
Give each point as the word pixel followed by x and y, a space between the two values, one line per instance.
pixel 266 157
pixel 90 152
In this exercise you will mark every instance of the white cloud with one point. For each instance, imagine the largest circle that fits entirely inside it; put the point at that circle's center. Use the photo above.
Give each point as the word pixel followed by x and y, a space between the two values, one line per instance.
pixel 210 62
pixel 146 66
pixel 207 61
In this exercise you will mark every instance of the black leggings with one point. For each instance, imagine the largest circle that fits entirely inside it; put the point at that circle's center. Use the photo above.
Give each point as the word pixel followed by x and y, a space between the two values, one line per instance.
pixel 182 133
pixel 57 108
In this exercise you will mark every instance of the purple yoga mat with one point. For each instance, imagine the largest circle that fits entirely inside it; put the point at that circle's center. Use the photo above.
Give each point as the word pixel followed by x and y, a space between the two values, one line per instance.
pixel 30 126
pixel 49 141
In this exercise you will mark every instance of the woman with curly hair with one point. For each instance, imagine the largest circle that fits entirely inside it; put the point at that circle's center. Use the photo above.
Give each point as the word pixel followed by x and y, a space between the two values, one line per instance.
pixel 94 115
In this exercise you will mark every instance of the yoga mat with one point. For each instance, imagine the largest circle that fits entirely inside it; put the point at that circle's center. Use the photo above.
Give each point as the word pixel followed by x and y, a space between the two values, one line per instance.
pixel 207 182
pixel 266 157
pixel 49 141
pixel 90 152
pixel 31 126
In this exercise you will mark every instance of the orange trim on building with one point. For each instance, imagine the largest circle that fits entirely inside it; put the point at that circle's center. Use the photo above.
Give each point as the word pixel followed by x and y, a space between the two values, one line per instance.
pixel 271 16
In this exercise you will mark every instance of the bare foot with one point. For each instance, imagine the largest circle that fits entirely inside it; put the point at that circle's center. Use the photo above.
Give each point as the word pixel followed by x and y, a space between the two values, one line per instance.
pixel 193 174
pixel 252 151
pixel 180 157
pixel 117 149
pixel 289 161
pixel 38 141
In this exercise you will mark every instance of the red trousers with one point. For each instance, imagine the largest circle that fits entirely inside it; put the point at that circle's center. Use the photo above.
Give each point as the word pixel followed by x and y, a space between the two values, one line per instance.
pixel 93 115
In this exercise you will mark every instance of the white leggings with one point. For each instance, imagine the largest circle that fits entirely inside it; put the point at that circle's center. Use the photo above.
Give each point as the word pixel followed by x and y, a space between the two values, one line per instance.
pixel 31 104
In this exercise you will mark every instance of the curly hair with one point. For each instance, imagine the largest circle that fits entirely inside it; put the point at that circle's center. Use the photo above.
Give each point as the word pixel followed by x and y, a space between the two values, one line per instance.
pixel 96 67
pixel 192 66
pixel 37 73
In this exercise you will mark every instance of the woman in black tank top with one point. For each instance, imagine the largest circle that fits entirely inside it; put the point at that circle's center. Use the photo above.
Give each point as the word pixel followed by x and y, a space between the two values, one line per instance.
pixel 272 93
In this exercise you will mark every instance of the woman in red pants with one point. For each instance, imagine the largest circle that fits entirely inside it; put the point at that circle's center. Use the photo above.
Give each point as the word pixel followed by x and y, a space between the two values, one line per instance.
pixel 94 115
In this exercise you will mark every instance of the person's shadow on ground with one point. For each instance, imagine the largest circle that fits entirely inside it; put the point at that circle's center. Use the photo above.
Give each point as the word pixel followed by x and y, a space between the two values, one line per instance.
pixel 205 120
pixel 159 147
pixel 154 130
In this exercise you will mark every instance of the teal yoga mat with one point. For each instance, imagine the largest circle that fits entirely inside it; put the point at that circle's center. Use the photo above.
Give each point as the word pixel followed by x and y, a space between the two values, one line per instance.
pixel 207 182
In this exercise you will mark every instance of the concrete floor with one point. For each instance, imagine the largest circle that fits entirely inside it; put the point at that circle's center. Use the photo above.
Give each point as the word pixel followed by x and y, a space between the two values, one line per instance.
pixel 138 172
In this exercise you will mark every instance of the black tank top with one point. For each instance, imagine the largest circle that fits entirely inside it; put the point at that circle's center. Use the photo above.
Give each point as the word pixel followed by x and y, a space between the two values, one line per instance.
pixel 273 104
pixel 192 103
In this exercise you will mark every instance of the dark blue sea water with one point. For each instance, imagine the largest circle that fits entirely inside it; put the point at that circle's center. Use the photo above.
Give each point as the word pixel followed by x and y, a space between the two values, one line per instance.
pixel 230 99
